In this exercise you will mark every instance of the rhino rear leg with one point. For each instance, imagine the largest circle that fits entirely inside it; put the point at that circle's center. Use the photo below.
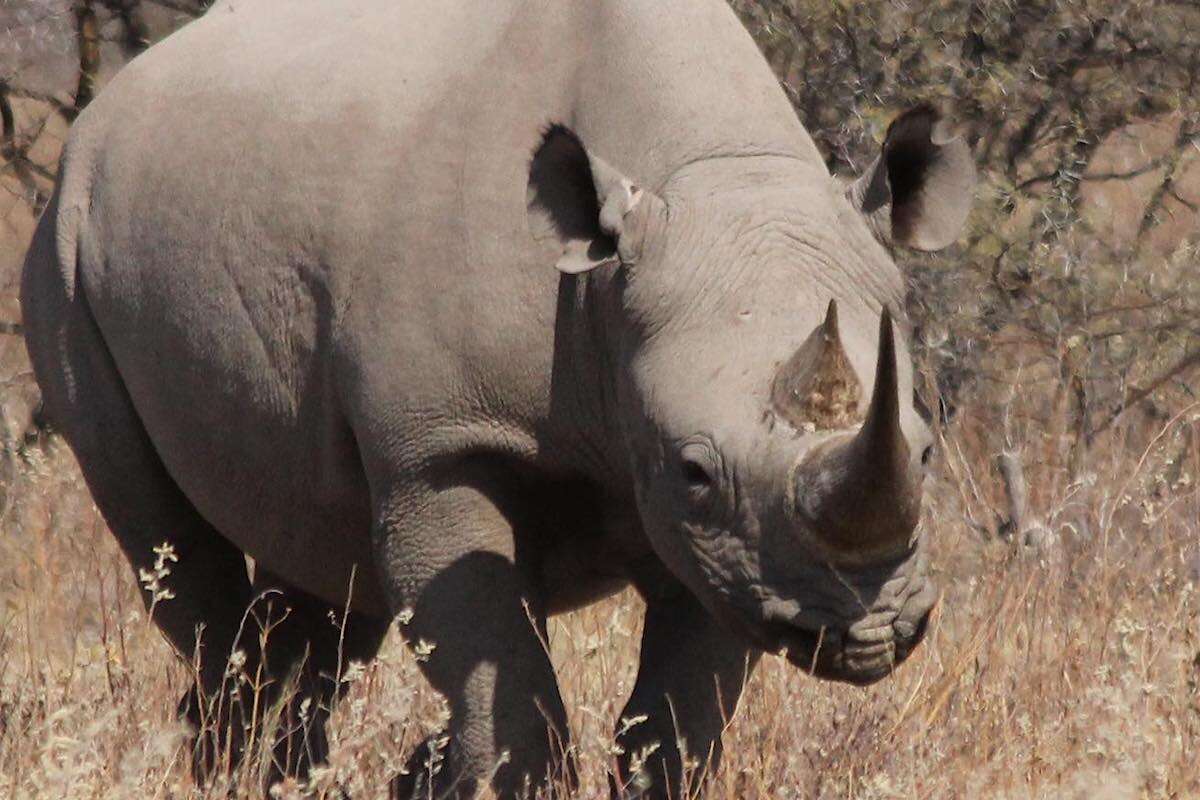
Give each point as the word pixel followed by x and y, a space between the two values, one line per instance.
pixel 474 619
pixel 86 400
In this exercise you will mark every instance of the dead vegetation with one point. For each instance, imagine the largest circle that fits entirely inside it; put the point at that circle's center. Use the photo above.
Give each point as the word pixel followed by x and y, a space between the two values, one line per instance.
pixel 1069 669
pixel 1058 346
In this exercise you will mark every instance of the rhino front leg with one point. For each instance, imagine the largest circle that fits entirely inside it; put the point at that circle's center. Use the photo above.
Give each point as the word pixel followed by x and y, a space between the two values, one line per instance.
pixel 689 680
pixel 473 618
pixel 310 643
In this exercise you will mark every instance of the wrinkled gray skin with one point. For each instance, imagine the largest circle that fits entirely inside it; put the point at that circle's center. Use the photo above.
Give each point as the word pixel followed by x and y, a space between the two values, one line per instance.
pixel 296 298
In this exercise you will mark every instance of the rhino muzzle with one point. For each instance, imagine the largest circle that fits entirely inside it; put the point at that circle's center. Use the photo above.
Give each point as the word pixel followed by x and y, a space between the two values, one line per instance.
pixel 860 627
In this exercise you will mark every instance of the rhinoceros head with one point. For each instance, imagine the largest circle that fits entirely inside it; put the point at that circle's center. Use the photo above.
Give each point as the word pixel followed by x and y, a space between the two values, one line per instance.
pixel 764 396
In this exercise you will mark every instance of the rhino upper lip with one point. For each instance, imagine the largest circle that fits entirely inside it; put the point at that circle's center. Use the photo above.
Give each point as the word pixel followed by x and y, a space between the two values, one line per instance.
pixel 861 614
pixel 849 648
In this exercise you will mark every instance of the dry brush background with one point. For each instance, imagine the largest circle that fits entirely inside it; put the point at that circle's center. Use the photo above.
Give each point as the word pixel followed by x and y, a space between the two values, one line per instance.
pixel 1057 347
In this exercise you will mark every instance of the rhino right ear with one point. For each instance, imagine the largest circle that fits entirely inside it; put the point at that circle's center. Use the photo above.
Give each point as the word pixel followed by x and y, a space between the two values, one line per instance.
pixel 591 211
pixel 918 192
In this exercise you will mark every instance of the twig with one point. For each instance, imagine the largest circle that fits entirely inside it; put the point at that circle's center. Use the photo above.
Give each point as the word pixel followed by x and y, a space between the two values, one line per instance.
pixel 8 126
pixel 1133 396
pixel 89 55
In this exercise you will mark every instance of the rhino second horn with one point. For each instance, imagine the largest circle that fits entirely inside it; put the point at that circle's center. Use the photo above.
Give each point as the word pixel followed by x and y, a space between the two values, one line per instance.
pixel 816 389
pixel 859 493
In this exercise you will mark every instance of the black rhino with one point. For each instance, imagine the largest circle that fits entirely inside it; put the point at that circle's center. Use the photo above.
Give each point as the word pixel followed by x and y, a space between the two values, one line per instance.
pixel 295 297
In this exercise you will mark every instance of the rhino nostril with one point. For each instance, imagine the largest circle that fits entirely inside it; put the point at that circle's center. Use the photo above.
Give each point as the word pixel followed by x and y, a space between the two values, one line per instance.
pixel 926 455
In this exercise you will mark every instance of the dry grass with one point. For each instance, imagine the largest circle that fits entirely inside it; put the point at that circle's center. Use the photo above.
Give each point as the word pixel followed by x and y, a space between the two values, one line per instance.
pixel 1070 672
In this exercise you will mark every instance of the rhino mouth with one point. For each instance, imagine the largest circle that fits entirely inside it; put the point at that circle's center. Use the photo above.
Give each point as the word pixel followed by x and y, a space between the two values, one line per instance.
pixel 846 655
pixel 831 642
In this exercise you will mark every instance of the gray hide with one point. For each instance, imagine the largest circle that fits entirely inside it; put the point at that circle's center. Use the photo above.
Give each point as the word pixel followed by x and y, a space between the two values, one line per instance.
pixel 296 297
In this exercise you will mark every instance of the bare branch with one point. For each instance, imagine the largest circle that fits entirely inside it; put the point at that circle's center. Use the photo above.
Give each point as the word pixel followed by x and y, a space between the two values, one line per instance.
pixel 8 127
pixel 1133 395
pixel 89 55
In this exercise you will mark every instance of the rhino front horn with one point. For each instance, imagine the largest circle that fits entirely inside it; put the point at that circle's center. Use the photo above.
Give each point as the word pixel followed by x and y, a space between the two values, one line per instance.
pixel 859 493
pixel 881 438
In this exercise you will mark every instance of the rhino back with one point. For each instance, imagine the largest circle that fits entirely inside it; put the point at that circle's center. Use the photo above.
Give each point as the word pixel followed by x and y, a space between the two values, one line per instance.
pixel 305 239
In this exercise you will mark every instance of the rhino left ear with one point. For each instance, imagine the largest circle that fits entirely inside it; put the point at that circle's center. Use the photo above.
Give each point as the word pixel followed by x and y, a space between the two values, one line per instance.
pixel 596 214
pixel 918 192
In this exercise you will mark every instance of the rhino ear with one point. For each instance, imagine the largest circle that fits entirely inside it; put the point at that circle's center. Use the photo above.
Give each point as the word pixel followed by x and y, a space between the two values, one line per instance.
pixel 589 209
pixel 918 192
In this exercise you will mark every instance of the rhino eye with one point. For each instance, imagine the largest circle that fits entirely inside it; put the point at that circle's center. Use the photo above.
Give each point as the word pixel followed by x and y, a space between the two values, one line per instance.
pixel 695 474
pixel 697 463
